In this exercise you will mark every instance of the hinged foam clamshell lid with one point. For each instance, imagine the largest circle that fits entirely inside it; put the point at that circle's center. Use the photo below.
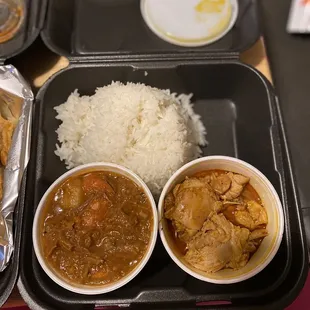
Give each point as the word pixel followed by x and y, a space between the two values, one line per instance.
pixel 33 13
pixel 92 29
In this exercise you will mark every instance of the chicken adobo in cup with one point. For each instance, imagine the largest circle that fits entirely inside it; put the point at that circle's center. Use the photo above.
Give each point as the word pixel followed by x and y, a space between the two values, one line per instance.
pixel 221 219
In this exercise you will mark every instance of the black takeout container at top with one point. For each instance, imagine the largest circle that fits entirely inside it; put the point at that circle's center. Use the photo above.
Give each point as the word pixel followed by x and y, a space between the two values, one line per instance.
pixel 29 30
pixel 27 33
pixel 107 40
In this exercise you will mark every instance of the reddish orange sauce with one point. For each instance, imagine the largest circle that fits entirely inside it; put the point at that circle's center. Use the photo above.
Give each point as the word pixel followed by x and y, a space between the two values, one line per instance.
pixel 179 244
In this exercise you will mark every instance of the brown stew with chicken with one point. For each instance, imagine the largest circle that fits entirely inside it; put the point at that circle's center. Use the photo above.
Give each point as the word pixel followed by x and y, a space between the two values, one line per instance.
pixel 217 220
pixel 96 228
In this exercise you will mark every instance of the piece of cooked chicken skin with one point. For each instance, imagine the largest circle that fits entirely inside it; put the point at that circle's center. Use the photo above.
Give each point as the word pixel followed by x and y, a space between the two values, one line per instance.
pixel 219 244
pixel 194 201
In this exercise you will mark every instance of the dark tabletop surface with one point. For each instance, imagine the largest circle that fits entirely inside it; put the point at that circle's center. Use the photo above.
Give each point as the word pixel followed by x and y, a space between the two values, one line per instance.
pixel 289 57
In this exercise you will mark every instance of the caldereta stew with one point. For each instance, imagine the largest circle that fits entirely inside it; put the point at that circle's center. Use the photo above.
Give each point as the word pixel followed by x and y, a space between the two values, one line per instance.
pixel 216 219
pixel 95 228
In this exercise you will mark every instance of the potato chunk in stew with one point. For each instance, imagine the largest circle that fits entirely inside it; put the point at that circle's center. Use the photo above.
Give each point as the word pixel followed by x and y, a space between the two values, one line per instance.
pixel 95 228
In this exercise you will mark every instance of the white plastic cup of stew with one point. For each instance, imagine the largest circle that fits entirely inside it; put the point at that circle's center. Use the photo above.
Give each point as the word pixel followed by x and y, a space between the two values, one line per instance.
pixel 270 200
pixel 94 289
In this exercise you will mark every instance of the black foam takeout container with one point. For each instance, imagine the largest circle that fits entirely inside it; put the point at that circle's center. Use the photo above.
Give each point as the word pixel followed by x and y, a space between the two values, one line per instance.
pixel 107 40
pixel 27 33
pixel 29 30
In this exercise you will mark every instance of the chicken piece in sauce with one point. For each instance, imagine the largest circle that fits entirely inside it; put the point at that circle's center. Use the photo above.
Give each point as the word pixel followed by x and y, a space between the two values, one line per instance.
pixel 250 215
pixel 221 184
pixel 238 183
pixel 258 234
pixel 191 204
pixel 218 245
pixel 219 216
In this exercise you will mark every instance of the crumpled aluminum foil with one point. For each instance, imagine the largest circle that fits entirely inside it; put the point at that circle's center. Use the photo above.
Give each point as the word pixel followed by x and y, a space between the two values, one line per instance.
pixel 13 87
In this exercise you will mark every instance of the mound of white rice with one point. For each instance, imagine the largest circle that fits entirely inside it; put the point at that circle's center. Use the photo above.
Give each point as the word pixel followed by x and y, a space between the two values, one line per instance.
pixel 148 130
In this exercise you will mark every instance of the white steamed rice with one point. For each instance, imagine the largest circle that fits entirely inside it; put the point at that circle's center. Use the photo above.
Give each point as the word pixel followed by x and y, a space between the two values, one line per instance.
pixel 151 131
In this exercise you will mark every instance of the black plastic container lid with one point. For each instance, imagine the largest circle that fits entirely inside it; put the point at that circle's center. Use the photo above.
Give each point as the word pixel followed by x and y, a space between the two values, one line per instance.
pixel 28 31
pixel 115 29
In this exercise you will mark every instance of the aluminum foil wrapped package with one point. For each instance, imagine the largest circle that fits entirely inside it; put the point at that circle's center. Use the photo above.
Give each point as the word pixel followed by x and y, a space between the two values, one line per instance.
pixel 16 101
